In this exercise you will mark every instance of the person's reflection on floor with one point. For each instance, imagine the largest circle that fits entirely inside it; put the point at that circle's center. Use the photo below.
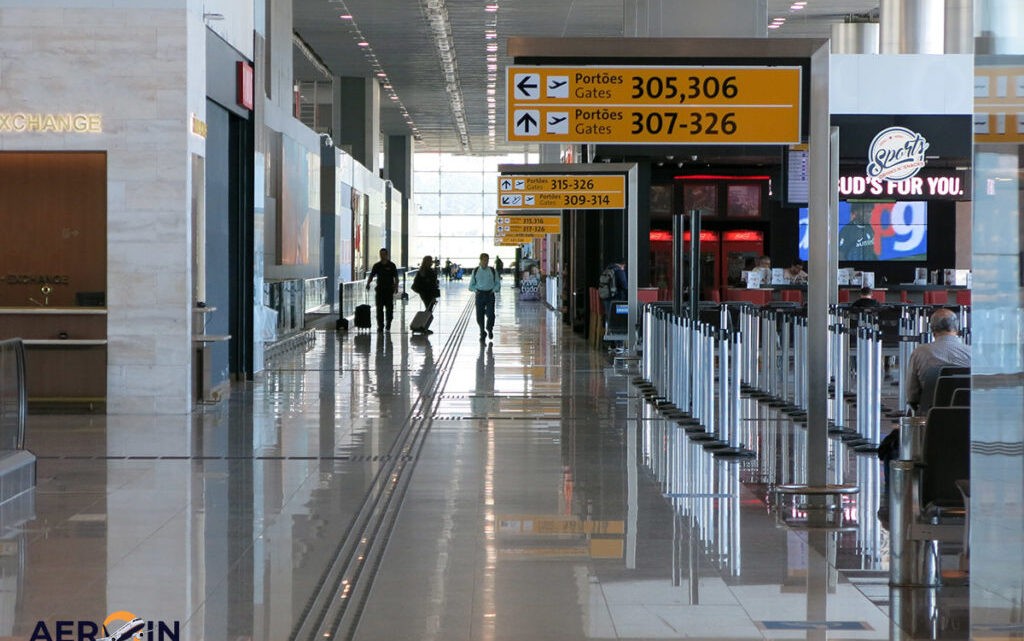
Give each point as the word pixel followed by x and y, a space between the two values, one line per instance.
pixel 483 396
pixel 384 366
pixel 426 370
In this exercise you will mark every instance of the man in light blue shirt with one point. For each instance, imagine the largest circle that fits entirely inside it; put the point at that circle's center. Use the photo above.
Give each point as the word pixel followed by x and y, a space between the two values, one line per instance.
pixel 485 283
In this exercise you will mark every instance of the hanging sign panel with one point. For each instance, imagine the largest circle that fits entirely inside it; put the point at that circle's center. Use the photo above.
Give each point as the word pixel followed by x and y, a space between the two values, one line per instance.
pixel 561 192
pixel 554 227
pixel 653 105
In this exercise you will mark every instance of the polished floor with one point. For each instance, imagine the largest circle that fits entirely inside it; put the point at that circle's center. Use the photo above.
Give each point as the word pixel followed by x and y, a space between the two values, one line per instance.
pixel 385 486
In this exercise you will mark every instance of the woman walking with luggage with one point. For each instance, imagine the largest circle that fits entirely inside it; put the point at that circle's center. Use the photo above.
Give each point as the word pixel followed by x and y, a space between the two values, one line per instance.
pixel 425 284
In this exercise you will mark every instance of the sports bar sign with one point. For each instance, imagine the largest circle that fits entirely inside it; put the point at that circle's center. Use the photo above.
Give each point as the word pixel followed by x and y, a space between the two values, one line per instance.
pixel 653 105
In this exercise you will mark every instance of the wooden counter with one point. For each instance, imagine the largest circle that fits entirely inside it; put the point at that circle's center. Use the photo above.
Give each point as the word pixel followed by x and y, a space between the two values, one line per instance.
pixel 65 351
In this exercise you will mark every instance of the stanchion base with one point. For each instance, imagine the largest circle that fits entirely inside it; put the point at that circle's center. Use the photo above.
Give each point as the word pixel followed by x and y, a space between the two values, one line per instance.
pixel 866 447
pixel 715 445
pixel 734 452
pixel 777 403
pixel 702 436
pixel 696 428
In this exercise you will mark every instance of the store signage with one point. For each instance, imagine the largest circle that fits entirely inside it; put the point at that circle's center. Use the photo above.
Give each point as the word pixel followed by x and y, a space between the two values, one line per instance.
pixel 244 71
pixel 36 279
pixel 653 105
pixel 936 186
pixel 572 191
pixel 895 154
pixel 72 123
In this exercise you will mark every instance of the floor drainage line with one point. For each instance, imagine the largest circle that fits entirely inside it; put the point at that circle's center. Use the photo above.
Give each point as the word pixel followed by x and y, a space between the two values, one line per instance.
pixel 334 585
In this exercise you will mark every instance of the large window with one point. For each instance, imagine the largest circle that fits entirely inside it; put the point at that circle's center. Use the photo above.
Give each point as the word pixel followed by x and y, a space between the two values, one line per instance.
pixel 456 201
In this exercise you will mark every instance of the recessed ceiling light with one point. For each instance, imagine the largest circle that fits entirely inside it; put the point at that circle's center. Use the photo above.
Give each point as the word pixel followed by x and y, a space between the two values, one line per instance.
pixel 345 16
pixel 363 43
pixel 491 8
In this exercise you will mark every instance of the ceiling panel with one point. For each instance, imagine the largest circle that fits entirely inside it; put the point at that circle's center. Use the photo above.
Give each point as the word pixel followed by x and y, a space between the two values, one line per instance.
pixel 400 38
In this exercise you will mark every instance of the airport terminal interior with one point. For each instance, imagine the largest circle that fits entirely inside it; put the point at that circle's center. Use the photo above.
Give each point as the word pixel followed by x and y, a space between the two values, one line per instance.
pixel 511 320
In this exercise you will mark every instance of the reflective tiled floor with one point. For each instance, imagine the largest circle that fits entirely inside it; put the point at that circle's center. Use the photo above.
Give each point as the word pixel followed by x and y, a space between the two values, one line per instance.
pixel 396 487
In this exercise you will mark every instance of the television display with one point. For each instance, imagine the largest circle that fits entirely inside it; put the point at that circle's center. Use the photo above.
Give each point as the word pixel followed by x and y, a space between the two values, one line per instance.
pixel 877 231
pixel 743 201
pixel 703 196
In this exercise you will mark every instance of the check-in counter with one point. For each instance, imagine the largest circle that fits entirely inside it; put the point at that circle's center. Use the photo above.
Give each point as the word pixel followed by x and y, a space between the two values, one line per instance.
pixel 65 351
pixel 930 294
pixel 755 296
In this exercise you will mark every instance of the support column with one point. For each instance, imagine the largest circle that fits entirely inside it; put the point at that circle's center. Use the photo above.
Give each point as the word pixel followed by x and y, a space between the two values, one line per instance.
pixel 695 18
pixel 398 155
pixel 855 37
pixel 959 26
pixel 356 121
pixel 912 26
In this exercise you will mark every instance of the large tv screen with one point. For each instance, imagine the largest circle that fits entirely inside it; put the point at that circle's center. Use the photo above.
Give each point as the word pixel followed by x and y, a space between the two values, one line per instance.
pixel 877 231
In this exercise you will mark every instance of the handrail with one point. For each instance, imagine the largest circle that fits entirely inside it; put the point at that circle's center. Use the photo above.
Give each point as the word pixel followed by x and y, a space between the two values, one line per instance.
pixel 12 387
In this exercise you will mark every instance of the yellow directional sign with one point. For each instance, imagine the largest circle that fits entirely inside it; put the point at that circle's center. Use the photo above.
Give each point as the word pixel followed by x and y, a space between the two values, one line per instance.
pixel 654 105
pixel 513 224
pixel 561 192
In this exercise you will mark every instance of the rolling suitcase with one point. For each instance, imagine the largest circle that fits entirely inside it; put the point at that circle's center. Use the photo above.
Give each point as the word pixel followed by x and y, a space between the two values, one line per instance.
pixel 421 321
pixel 362 320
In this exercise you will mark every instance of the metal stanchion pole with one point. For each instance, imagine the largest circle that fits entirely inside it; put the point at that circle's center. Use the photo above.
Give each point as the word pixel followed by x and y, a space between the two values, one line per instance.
pixel 725 424
pixel 876 393
pixel 786 334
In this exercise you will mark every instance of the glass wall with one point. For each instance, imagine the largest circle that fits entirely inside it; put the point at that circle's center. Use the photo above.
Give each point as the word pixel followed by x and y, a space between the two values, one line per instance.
pixel 997 317
pixel 456 201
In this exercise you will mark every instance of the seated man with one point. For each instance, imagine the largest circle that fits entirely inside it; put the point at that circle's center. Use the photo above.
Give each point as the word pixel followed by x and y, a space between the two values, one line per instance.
pixel 865 300
pixel 923 365
pixel 946 350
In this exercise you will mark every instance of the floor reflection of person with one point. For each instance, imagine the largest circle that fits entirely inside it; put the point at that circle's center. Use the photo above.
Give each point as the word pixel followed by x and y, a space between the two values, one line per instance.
pixel 426 371
pixel 384 366
pixel 483 402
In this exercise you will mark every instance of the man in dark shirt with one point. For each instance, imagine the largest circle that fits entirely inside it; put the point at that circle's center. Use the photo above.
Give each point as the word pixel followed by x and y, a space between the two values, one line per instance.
pixel 386 274
pixel 865 300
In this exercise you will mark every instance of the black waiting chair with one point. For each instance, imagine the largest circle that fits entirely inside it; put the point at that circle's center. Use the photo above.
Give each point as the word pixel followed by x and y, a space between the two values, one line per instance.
pixel 944 388
pixel 947 459
pixel 962 397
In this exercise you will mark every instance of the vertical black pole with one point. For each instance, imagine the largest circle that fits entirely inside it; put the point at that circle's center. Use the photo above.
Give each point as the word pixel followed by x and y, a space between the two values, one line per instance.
pixel 694 263
pixel 677 264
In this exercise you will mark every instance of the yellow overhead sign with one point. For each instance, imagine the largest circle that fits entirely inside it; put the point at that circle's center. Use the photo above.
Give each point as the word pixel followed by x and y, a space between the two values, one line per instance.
pixel 514 225
pixel 562 192
pixel 654 105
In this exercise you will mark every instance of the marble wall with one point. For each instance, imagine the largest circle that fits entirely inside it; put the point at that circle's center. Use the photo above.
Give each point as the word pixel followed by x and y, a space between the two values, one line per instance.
pixel 142 69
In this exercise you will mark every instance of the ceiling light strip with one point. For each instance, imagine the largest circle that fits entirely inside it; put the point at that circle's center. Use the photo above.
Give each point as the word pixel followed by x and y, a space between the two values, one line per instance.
pixel 378 69
pixel 436 14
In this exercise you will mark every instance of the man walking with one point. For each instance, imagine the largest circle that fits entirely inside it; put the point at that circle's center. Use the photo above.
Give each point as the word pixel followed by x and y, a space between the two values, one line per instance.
pixel 485 283
pixel 386 274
